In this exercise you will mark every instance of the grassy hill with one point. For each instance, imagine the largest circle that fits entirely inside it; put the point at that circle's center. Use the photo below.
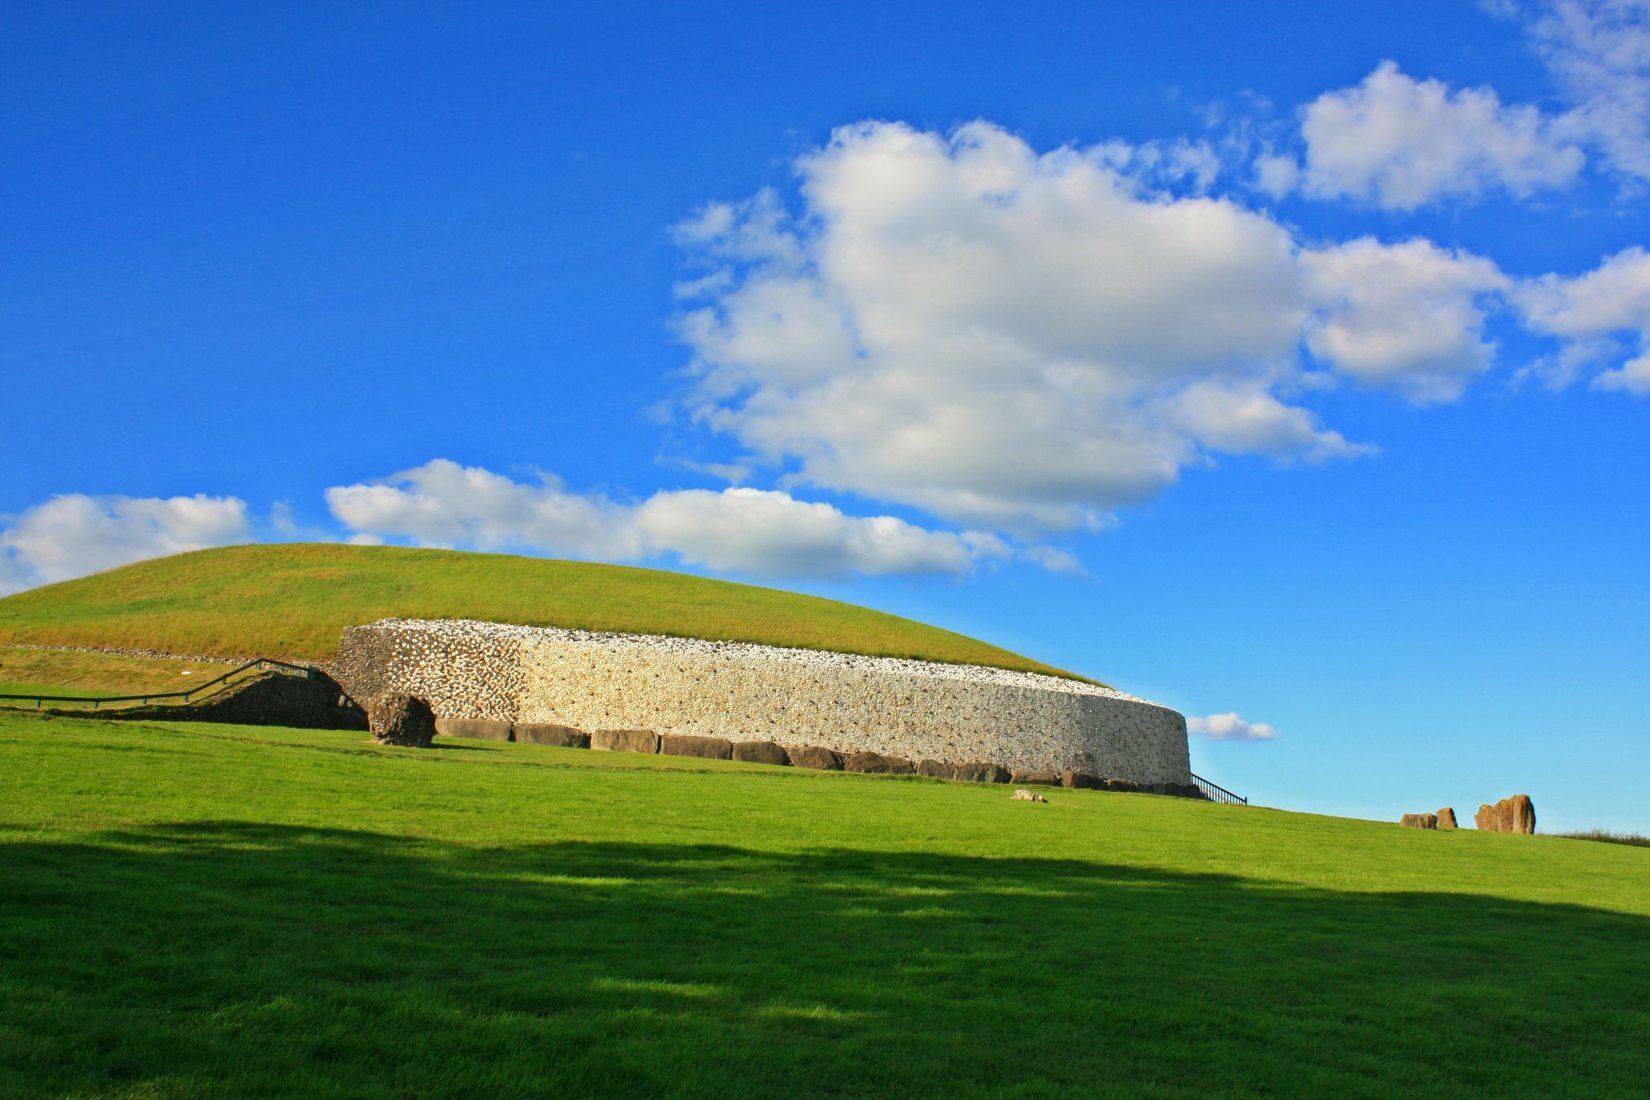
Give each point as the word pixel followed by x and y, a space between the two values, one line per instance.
pixel 221 911
pixel 293 600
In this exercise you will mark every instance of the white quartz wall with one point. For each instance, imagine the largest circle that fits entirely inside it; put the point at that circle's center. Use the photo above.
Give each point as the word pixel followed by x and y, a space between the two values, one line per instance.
pixel 915 709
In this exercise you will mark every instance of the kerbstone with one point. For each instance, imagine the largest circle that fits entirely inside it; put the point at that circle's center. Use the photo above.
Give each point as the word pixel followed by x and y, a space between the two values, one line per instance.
pixel 687 744
pixel 548 733
pixel 474 729
pixel 625 741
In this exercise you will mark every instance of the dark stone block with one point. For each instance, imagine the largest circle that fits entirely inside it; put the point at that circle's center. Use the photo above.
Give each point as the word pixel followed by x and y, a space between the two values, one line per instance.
pixel 548 733
pixel 705 748
pixel 760 752
pixel 625 741
pixel 401 720
pixel 980 773
pixel 874 763
pixel 1027 777
pixel 934 769
pixel 1127 786
pixel 475 729
pixel 812 756
pixel 1081 781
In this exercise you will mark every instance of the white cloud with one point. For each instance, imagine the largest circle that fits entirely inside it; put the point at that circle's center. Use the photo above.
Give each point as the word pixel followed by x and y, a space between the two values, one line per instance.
pixel 737 530
pixel 74 534
pixel 1407 317
pixel 1599 52
pixel 1588 312
pixel 998 337
pixel 1402 143
pixel 1230 727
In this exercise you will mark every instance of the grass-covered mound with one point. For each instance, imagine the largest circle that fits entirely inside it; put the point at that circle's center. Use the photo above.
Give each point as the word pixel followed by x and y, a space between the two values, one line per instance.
pixel 69 672
pixel 224 911
pixel 293 600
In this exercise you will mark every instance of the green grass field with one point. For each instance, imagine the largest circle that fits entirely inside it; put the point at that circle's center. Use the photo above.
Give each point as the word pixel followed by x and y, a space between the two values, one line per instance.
pixel 294 600
pixel 230 912
pixel 57 672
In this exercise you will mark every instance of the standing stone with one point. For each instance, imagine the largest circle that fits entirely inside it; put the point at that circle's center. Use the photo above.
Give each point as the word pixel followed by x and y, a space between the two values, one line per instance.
pixel 686 744
pixel 1446 818
pixel 812 756
pixel 1419 821
pixel 397 719
pixel 1485 819
pixel 1520 814
pixel 624 741
pixel 760 752
pixel 980 772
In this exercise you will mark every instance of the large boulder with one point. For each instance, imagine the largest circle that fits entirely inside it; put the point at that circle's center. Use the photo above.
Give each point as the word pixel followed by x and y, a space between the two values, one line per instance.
pixel 1419 821
pixel 1510 815
pixel 934 769
pixel 397 719
pixel 625 741
pixel 760 752
pixel 874 763
pixel 1081 781
pixel 1031 777
pixel 687 744
pixel 1126 786
pixel 813 756
pixel 1446 818
pixel 549 733
pixel 475 729
pixel 980 772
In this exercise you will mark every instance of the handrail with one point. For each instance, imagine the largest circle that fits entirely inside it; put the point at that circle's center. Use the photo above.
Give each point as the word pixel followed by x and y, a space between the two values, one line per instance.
pixel 97 700
pixel 1214 792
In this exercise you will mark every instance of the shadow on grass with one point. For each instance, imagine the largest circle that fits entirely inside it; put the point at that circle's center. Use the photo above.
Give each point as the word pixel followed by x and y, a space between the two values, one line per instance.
pixel 235 959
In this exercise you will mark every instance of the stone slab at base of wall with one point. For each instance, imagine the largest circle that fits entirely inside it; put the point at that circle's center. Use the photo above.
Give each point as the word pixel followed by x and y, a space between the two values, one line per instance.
pixel 687 744
pixel 761 752
pixel 625 741
pixel 913 710
pixel 545 733
pixel 474 729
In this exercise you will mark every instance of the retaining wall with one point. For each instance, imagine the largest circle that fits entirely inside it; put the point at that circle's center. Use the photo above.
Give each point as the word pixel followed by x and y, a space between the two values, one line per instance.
pixel 914 709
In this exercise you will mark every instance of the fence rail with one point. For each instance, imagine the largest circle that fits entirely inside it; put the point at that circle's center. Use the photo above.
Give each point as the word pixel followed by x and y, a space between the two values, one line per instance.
pixel 1214 792
pixel 260 663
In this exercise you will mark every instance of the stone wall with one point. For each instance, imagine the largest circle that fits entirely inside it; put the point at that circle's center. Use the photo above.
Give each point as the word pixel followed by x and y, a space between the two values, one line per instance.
pixel 914 709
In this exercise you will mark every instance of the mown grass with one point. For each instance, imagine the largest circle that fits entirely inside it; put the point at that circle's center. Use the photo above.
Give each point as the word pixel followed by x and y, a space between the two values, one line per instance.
pixel 67 672
pixel 223 911
pixel 1637 840
pixel 294 600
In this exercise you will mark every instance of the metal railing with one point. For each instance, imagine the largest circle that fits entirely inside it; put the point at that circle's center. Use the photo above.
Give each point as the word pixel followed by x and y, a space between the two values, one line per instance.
pixel 260 663
pixel 1214 792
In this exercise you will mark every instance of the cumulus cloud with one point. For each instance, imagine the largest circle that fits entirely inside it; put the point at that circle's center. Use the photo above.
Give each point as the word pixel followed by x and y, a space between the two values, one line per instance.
pixel 1590 312
pixel 1408 317
pixel 1229 727
pixel 74 534
pixel 999 337
pixel 740 530
pixel 1599 52
pixel 1401 143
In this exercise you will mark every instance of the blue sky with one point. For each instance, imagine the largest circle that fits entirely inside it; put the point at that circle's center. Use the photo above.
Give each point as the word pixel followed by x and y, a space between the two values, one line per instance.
pixel 1281 363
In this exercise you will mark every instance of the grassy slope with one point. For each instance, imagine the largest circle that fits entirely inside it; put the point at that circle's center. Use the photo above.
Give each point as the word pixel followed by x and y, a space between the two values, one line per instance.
pixel 54 672
pixel 293 600
pixel 223 911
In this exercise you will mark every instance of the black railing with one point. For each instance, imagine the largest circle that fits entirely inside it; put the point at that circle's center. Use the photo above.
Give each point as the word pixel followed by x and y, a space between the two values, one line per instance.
pixel 1214 792
pixel 259 663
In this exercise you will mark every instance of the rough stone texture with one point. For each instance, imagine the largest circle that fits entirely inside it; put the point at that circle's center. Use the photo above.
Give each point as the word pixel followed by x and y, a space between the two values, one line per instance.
pixel 1032 777
pixel 894 707
pixel 1446 818
pixel 625 741
pixel 1027 796
pixel 1082 781
pixel 546 733
pixel 269 699
pixel 1122 785
pixel 761 752
pixel 934 769
pixel 1510 815
pixel 874 763
pixel 474 729
pixel 1419 821
pixel 399 719
pixel 813 756
pixel 980 773
pixel 687 744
